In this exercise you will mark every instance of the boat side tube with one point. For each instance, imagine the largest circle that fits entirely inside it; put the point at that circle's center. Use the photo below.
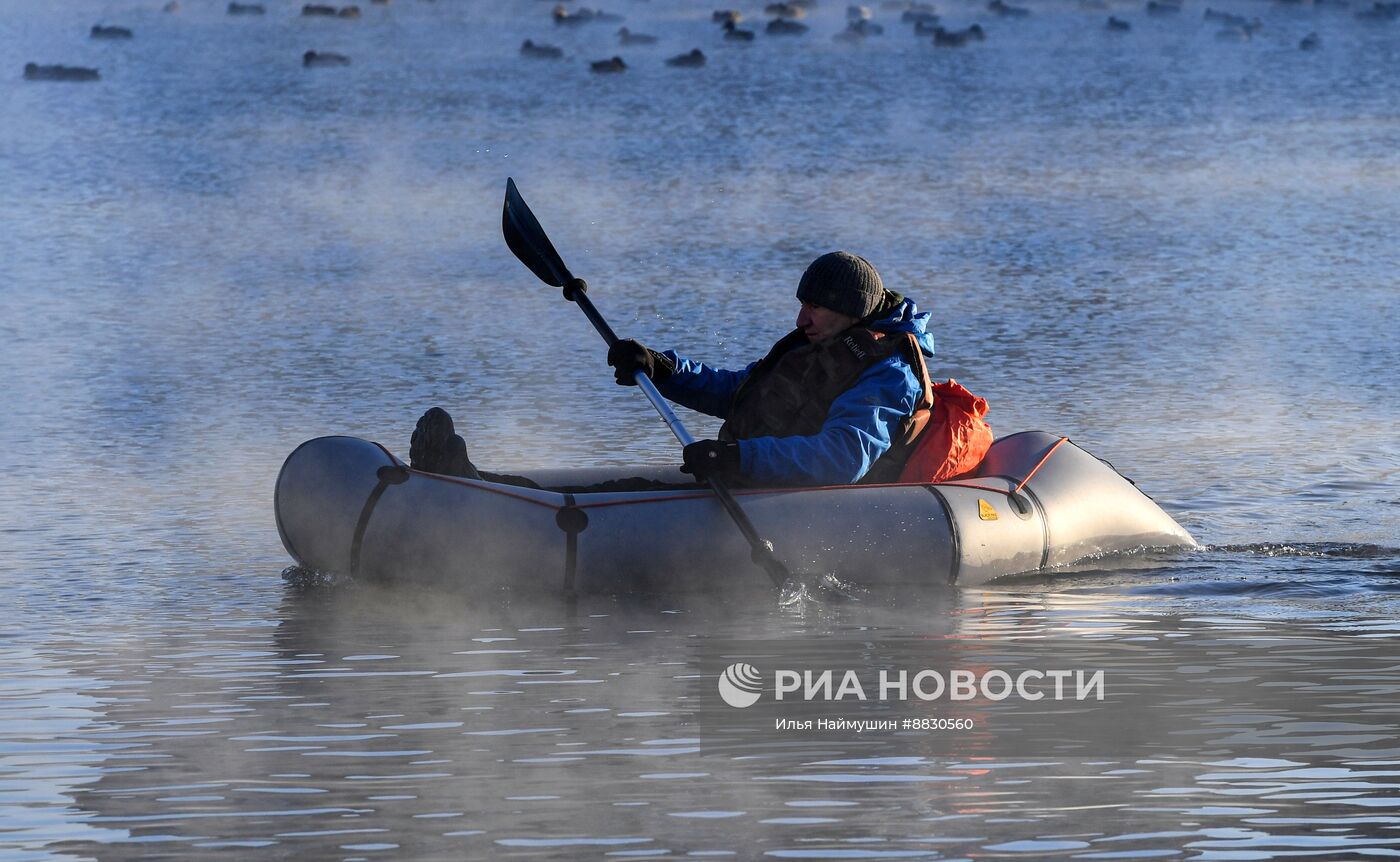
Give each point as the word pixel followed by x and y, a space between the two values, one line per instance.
pixel 1086 507
pixel 321 496
pixel 683 541
pixel 995 532
pixel 348 506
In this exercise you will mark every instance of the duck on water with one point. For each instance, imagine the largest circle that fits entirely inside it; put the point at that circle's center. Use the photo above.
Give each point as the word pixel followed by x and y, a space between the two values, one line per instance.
pixel 957 38
pixel 692 59
pixel 732 33
pixel 37 72
pixel 541 51
pixel 316 10
pixel 100 32
pixel 608 66
pixel 785 27
pixel 563 17
pixel 324 58
pixel 627 37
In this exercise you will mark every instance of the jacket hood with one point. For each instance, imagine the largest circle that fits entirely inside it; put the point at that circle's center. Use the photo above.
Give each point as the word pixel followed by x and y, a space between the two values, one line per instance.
pixel 906 317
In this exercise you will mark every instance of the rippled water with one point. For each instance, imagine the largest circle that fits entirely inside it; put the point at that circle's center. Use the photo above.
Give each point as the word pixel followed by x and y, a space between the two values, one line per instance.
pixel 1177 250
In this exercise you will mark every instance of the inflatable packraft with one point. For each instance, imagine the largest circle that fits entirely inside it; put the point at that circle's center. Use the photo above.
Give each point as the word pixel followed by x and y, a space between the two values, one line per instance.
pixel 348 506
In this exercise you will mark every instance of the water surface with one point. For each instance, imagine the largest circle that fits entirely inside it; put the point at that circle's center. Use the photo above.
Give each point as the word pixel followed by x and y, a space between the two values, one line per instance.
pixel 1178 251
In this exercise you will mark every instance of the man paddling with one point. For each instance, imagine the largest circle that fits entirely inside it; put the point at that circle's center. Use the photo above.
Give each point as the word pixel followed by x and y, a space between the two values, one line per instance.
pixel 834 402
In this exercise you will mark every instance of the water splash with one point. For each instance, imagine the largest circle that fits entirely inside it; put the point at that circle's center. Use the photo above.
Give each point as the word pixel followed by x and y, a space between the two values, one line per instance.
pixel 1334 550
pixel 303 578
pixel 815 591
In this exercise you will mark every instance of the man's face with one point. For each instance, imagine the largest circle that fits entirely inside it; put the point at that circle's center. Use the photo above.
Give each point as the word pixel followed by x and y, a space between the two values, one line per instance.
pixel 820 323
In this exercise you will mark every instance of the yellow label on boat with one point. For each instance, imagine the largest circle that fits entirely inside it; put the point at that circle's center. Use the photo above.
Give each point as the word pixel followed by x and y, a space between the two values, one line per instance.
pixel 985 510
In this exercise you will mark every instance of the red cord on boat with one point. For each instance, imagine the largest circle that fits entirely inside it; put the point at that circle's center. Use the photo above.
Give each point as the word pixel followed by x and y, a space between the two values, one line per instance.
pixel 1018 488
pixel 491 488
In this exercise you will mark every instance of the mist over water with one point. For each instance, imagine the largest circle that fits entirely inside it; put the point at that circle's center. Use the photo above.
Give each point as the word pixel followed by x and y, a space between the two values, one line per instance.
pixel 1176 250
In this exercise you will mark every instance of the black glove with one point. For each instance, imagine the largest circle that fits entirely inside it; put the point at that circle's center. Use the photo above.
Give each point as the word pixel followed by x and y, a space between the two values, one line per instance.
pixel 706 458
pixel 629 357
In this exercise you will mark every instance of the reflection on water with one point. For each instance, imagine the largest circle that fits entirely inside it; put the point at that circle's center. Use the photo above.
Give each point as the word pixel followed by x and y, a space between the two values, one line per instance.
pixel 1176 250
pixel 435 728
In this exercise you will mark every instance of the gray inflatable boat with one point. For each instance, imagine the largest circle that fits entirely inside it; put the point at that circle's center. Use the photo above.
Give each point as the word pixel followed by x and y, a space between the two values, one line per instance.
pixel 348 506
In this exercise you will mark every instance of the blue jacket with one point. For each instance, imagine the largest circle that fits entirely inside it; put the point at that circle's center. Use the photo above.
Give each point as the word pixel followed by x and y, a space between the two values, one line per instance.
pixel 859 427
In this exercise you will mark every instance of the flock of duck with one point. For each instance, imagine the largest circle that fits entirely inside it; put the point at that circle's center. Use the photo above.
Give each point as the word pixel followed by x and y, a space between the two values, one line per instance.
pixel 785 19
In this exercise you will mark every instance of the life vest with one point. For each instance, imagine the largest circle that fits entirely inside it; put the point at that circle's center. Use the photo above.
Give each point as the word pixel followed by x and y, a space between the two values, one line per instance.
pixel 790 391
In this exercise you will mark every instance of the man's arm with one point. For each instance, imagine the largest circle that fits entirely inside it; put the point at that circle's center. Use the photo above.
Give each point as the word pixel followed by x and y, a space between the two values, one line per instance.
pixel 859 428
pixel 688 383
pixel 701 387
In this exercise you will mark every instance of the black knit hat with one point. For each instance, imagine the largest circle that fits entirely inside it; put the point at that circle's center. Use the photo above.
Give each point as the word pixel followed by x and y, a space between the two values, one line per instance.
pixel 843 282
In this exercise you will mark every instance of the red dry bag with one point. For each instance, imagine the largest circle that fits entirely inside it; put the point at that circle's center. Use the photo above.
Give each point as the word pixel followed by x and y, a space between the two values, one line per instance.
pixel 955 440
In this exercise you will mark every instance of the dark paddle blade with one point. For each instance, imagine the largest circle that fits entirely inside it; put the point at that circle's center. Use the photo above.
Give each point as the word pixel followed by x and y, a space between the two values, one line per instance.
pixel 528 242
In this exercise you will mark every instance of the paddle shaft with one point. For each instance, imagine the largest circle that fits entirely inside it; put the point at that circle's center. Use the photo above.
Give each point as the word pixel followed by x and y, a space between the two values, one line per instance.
pixel 761 549
pixel 528 242
pixel 576 292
